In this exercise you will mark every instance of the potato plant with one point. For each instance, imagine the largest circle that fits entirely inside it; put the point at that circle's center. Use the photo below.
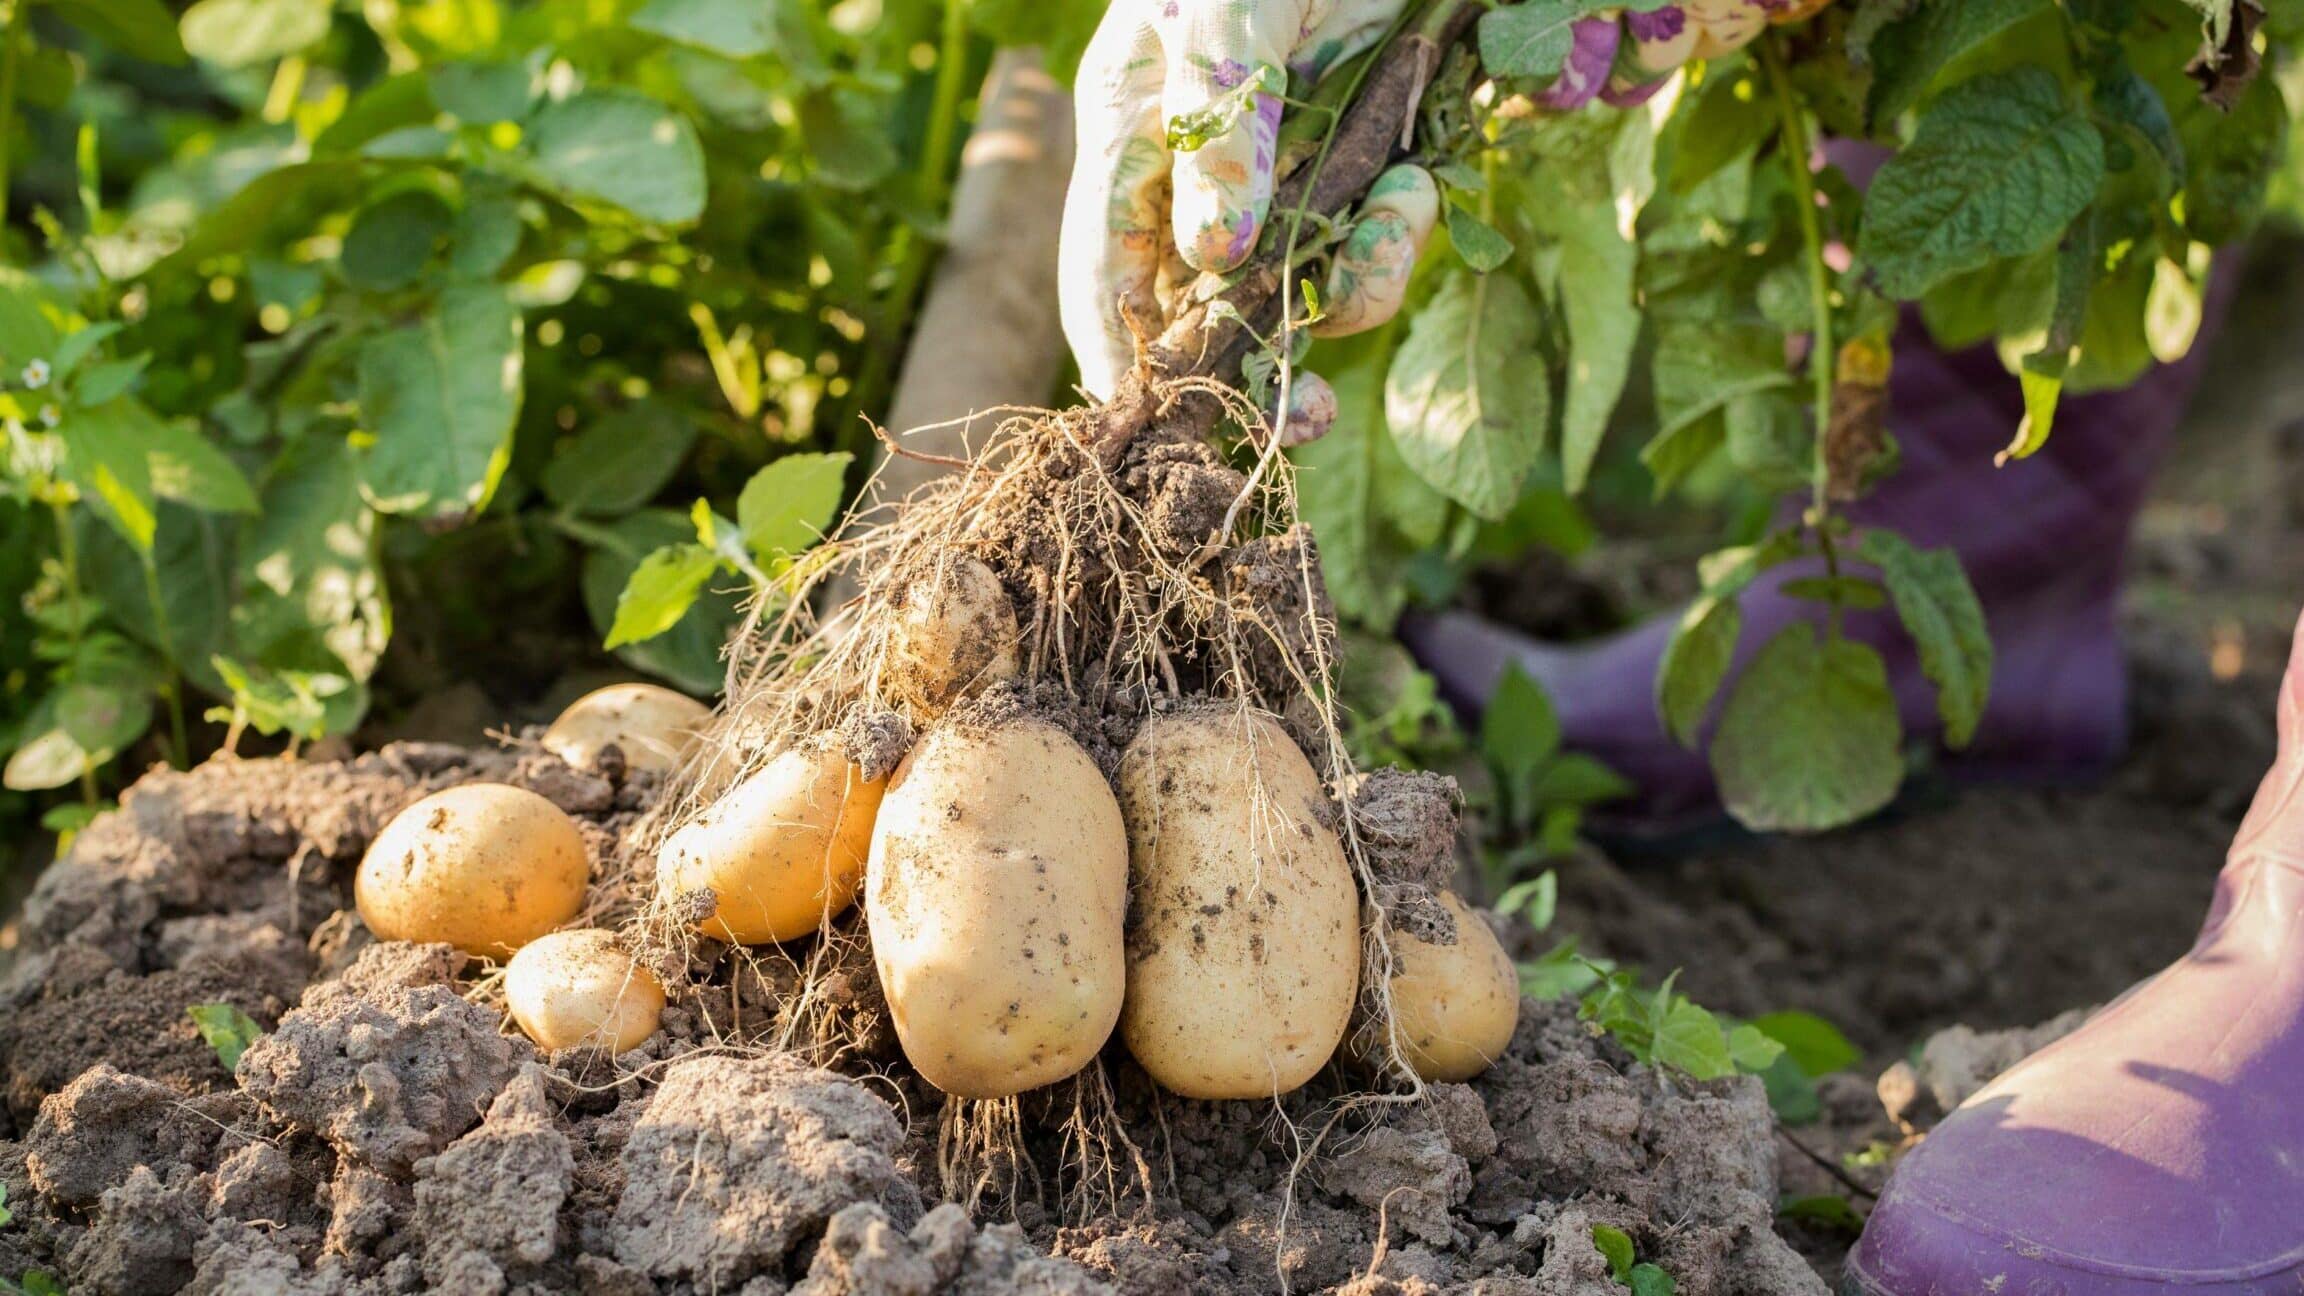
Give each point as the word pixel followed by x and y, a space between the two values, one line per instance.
pixel 338 333
pixel 2060 176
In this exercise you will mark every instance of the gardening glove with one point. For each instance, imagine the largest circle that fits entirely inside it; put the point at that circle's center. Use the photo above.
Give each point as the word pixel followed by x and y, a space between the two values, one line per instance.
pixel 1140 216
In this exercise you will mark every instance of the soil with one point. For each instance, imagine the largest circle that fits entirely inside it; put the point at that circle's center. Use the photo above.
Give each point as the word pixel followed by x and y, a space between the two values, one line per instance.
pixel 386 1133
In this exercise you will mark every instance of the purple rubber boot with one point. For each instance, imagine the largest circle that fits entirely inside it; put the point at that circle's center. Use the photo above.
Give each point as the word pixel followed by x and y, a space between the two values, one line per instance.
pixel 2159 1148
pixel 2044 541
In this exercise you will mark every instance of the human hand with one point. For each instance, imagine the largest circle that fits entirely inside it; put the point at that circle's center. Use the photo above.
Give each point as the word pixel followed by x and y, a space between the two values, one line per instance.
pixel 1141 216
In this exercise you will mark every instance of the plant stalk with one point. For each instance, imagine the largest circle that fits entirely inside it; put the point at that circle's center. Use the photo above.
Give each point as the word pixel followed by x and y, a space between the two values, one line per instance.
pixel 11 55
pixel 1795 144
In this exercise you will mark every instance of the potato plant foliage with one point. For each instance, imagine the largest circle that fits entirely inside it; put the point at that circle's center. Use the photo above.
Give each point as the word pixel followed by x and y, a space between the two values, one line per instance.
pixel 1715 323
pixel 331 328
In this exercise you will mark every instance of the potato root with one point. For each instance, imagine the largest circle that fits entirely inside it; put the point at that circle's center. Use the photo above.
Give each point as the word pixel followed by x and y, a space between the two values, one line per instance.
pixel 955 634
pixel 579 987
pixel 485 867
pixel 997 894
pixel 782 851
pixel 1455 1006
pixel 1244 955
pixel 651 726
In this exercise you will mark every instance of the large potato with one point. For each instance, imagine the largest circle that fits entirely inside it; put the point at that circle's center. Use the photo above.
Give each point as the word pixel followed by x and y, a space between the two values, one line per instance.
pixel 652 726
pixel 580 987
pixel 1244 954
pixel 954 634
pixel 997 895
pixel 781 852
pixel 485 867
pixel 1455 1006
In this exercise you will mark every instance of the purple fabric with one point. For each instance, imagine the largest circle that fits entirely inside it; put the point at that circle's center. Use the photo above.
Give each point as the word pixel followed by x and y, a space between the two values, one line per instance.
pixel 2156 1148
pixel 2044 540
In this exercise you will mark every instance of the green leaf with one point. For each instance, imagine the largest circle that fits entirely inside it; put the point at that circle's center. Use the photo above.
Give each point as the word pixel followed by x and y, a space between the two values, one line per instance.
pixel 227 1030
pixel 1689 1038
pixel 106 379
pixel 1792 1094
pixel 847 138
pixel 1648 1280
pixel 1466 410
pixel 1519 731
pixel 441 396
pixel 1532 38
pixel 108 456
pixel 189 468
pixel 1830 1211
pixel 1815 1045
pixel 791 504
pixel 236 33
pixel 1909 54
pixel 2232 158
pixel 1733 114
pixel 737 29
pixel 1597 268
pixel 660 592
pixel 1695 663
pixel 306 704
pixel 488 231
pixel 1615 1246
pixel 1999 166
pixel 623 149
pixel 1810 738
pixel 1578 780
pixel 1537 899
pixel 622 460
pixel 1753 1049
pixel 1476 241
pixel 484 93
pixel 307 573
pixel 1680 449
pixel 687 655
pixel 1940 611
pixel 138 28
pixel 391 239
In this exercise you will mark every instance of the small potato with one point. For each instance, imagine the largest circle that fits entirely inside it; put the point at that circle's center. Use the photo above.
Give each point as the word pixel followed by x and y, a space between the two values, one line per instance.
pixel 782 851
pixel 1244 956
pixel 1455 1005
pixel 579 987
pixel 997 896
pixel 955 634
pixel 485 867
pixel 652 726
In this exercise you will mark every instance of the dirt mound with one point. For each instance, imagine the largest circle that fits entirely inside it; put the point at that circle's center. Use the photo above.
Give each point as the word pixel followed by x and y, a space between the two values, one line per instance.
pixel 388 1135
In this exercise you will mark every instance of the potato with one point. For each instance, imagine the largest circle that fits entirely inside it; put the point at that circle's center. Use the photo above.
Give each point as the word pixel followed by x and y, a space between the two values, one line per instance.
pixel 652 726
pixel 1455 1005
pixel 955 634
pixel 579 987
pixel 997 895
pixel 485 867
pixel 1244 956
pixel 782 851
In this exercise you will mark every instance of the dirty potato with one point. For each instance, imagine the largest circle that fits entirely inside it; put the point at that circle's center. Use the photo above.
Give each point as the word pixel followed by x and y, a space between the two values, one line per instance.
pixel 781 852
pixel 955 634
pixel 579 987
pixel 1244 956
pixel 651 726
pixel 996 897
pixel 485 867
pixel 1454 1006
